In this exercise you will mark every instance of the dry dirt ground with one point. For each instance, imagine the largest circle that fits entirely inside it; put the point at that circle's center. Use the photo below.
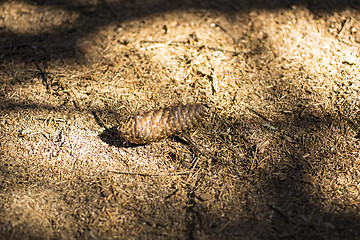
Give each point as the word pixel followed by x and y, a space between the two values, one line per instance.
pixel 276 158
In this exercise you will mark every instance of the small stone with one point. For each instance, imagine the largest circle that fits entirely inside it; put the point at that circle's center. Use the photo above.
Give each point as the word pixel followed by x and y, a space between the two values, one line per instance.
pixel 289 139
pixel 204 71
pixel 307 178
pixel 204 197
pixel 262 146
pixel 106 192
pixel 330 226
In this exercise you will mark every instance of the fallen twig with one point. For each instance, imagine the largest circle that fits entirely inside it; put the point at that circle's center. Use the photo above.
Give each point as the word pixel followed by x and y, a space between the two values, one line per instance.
pixel 186 44
pixel 152 174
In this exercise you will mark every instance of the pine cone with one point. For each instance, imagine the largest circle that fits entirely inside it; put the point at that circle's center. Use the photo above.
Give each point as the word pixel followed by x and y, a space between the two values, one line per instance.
pixel 157 124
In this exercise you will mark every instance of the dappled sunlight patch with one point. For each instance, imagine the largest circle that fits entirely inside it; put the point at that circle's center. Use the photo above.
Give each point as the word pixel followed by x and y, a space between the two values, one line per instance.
pixel 73 148
pixel 300 41
pixel 177 57
pixel 21 17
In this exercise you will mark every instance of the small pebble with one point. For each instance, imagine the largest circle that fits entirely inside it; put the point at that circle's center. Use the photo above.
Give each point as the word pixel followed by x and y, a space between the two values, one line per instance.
pixel 204 196
pixel 106 193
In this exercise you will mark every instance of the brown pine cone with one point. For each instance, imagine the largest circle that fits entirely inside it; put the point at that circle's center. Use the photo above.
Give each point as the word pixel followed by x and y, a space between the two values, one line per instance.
pixel 157 124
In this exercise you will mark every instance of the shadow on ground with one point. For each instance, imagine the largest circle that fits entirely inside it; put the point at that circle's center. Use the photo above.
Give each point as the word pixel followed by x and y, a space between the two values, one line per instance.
pixel 280 205
pixel 61 43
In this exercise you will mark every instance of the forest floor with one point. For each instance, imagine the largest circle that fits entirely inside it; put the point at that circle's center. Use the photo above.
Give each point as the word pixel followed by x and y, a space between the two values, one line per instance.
pixel 277 156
